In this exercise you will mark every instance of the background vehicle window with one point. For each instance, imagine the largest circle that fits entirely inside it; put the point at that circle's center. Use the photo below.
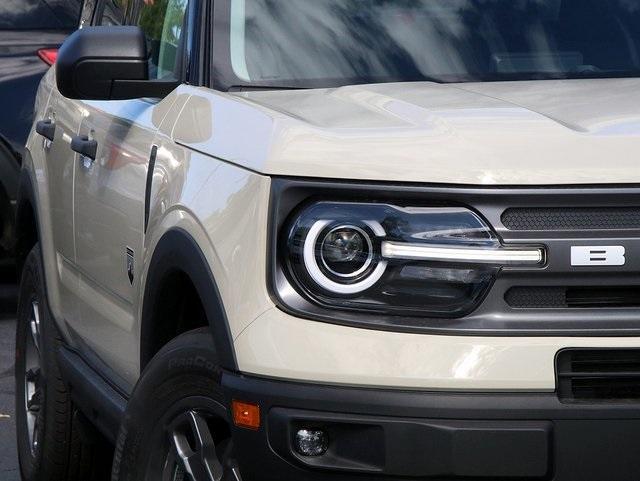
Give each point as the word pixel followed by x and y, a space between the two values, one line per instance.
pixel 163 22
pixel 39 14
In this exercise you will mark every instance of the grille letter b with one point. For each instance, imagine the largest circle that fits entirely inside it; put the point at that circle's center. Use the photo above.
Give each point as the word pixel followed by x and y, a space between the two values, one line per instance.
pixel 588 256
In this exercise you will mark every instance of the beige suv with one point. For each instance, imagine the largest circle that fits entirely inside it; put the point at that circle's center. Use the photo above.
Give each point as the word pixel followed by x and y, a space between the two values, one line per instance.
pixel 339 240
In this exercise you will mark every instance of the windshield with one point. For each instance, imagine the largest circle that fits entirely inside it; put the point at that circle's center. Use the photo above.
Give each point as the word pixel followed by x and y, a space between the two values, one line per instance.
pixel 302 43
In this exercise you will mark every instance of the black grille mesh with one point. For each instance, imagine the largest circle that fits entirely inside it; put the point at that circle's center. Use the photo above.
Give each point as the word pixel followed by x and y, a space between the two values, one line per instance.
pixel 573 297
pixel 563 219
pixel 536 297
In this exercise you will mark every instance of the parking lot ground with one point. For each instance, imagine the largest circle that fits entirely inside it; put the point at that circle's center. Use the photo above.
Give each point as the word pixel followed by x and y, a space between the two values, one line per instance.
pixel 8 453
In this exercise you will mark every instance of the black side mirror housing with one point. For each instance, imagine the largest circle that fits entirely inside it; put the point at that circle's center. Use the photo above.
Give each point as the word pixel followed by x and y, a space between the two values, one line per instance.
pixel 107 63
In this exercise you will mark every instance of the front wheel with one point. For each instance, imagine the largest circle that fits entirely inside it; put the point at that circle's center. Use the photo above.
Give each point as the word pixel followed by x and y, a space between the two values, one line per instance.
pixel 176 424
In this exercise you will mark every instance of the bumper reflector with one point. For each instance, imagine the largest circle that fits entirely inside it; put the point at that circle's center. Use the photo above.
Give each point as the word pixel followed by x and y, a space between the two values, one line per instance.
pixel 48 55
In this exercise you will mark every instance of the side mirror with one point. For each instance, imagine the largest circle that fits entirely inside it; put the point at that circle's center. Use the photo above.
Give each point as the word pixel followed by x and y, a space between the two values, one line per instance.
pixel 107 63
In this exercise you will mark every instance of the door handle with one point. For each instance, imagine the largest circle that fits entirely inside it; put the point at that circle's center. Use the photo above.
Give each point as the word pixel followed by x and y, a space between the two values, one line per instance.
pixel 46 128
pixel 84 146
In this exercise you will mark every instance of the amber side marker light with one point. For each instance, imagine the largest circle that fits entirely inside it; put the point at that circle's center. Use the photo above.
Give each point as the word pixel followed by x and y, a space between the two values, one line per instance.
pixel 246 415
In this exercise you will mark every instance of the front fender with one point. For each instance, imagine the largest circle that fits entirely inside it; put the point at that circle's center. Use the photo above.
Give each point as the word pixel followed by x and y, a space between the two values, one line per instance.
pixel 178 251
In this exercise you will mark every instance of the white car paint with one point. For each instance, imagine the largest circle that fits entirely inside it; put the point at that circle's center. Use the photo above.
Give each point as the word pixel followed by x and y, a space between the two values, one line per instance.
pixel 216 154
pixel 504 133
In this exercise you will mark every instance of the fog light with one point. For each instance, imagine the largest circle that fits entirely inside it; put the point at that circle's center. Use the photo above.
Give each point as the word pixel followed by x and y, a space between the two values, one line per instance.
pixel 311 442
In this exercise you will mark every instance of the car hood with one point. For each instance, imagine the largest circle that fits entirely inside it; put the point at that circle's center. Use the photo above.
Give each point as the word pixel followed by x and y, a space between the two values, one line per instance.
pixel 493 133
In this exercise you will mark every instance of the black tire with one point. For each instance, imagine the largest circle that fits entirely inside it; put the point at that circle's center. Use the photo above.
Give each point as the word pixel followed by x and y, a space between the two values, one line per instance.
pixel 60 454
pixel 182 378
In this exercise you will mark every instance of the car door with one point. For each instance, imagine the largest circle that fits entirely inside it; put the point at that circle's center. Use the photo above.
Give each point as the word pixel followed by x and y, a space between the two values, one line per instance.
pixel 110 197
pixel 56 125
pixel 61 123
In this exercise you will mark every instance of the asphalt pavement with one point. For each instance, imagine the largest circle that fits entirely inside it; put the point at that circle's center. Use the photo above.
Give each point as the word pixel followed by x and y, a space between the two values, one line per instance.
pixel 8 453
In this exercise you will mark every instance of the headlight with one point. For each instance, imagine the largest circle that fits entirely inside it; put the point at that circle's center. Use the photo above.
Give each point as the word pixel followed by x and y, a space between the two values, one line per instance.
pixel 435 261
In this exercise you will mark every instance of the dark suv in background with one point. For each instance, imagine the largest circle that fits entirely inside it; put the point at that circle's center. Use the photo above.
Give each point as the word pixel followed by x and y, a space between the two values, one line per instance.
pixel 30 33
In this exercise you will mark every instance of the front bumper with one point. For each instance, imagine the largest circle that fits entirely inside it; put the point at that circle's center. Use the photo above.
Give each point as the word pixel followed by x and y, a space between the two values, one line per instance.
pixel 281 346
pixel 398 435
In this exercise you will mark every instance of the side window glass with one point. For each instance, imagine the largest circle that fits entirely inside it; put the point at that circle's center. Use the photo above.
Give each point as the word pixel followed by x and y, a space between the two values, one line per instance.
pixel 114 12
pixel 163 22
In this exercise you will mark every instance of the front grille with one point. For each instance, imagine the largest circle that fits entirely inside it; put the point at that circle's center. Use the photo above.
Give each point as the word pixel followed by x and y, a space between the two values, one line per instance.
pixel 571 219
pixel 598 375
pixel 573 297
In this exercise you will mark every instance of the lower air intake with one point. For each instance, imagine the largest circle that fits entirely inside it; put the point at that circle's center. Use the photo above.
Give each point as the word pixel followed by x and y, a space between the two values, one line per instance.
pixel 598 375
pixel 550 297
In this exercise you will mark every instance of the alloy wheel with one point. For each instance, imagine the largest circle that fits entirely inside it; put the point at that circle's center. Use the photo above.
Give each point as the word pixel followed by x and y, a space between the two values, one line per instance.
pixel 33 379
pixel 194 455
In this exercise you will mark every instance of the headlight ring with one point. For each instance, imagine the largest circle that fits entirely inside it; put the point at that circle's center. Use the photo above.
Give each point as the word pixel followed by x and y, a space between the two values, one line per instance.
pixel 368 267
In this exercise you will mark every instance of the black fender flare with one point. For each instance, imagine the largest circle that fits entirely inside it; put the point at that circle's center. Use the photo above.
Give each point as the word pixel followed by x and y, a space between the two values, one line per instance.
pixel 177 250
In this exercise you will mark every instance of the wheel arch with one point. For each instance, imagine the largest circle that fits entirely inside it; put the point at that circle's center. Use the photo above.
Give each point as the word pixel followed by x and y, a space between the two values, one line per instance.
pixel 177 253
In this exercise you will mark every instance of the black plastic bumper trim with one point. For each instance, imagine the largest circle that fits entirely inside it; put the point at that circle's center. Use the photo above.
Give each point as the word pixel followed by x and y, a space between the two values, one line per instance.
pixel 392 435
pixel 417 447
